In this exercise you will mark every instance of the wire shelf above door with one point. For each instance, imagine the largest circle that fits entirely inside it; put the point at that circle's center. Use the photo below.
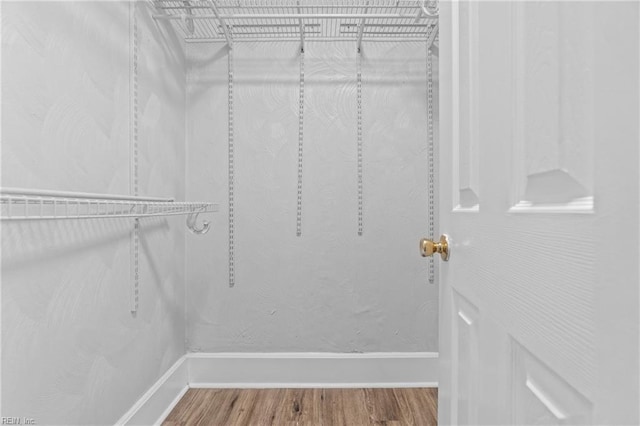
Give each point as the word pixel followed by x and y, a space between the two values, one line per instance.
pixel 313 20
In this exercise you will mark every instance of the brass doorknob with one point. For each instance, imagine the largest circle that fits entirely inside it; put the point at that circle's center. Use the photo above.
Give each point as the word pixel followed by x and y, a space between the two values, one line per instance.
pixel 428 247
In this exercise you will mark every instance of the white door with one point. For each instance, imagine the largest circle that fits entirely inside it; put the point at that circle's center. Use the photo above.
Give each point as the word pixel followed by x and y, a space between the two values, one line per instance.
pixel 539 159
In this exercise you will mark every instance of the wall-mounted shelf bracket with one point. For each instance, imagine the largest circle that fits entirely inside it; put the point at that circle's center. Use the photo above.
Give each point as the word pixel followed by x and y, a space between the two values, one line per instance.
pixel 361 30
pixel 301 26
pixel 223 24
pixel 187 17
pixel 191 224
pixel 431 38
pixel 428 9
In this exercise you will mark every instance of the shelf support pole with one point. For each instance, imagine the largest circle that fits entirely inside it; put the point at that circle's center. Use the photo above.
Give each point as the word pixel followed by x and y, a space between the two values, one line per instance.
pixel 300 128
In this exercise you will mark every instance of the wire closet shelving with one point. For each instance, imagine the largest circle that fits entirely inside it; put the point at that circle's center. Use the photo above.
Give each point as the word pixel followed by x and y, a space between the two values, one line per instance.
pixel 356 21
pixel 311 20
pixel 18 204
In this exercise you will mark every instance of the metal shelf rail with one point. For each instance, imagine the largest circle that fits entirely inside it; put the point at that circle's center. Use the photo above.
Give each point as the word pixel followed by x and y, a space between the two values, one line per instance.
pixel 25 204
pixel 297 20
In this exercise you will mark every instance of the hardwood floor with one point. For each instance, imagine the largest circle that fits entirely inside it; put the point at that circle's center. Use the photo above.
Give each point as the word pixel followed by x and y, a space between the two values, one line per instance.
pixel 322 407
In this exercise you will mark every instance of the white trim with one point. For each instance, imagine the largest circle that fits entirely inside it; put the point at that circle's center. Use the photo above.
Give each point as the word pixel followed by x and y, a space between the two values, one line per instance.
pixel 154 406
pixel 197 385
pixel 171 406
pixel 312 370
pixel 314 355
pixel 473 209
pixel 281 370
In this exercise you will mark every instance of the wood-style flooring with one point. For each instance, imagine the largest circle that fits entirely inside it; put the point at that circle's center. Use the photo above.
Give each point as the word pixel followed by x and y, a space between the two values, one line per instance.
pixel 321 407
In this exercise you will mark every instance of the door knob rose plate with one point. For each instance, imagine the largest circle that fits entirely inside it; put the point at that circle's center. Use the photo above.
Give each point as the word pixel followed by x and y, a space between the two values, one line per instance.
pixel 429 248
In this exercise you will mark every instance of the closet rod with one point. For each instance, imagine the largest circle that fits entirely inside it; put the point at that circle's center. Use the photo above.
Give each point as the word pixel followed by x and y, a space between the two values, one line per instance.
pixel 280 7
pixel 417 38
pixel 68 194
pixel 294 16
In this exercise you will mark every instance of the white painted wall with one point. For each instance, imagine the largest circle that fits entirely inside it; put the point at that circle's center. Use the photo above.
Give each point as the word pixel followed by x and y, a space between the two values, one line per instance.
pixel 72 351
pixel 329 290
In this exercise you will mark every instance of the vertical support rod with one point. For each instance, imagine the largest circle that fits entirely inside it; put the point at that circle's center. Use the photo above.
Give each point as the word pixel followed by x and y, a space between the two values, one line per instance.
pixel 300 146
pixel 431 158
pixel 300 128
pixel 360 162
pixel 133 154
pixel 135 296
pixel 232 277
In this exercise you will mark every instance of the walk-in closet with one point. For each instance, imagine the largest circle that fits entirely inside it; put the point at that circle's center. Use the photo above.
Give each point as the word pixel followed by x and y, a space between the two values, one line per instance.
pixel 319 212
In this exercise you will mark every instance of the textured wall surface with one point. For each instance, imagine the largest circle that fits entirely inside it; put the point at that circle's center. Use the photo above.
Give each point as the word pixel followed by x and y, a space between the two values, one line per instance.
pixel 329 290
pixel 72 351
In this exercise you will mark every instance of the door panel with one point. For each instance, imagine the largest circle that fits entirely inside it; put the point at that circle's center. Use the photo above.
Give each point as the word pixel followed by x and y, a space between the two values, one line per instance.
pixel 466 108
pixel 553 102
pixel 540 396
pixel 539 156
pixel 465 361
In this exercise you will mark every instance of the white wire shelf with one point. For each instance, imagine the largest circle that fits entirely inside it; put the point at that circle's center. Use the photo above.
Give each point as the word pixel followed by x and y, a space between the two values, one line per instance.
pixel 313 20
pixel 23 204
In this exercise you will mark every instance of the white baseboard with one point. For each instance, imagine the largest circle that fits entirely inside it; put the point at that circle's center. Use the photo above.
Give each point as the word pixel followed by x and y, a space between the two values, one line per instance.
pixel 156 404
pixel 281 370
pixel 308 370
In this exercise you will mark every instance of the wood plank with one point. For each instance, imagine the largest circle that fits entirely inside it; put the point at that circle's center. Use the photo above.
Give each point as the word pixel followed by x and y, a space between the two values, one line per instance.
pixel 409 399
pixel 220 406
pixel 309 407
pixel 260 407
pixel 382 405
pixel 344 406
